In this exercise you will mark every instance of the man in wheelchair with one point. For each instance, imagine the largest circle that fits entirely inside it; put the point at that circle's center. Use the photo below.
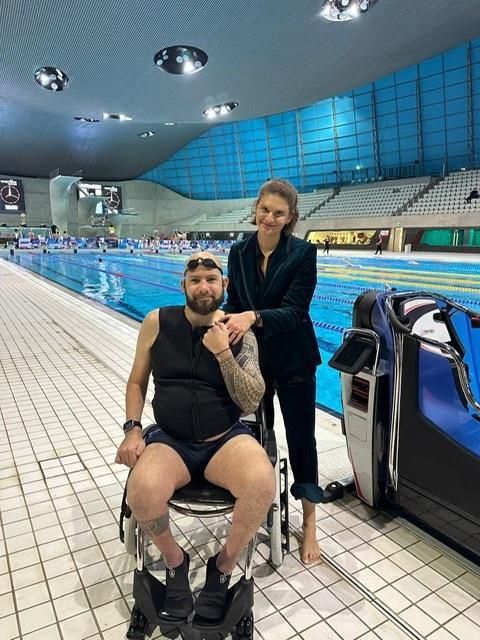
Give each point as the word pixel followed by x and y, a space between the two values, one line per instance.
pixel 202 385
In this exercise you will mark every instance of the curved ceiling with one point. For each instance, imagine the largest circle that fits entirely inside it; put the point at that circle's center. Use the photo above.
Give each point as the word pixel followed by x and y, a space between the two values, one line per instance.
pixel 269 56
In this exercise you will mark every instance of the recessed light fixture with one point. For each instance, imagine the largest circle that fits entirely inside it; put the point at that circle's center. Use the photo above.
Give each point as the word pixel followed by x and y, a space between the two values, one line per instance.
pixel 344 10
pixel 146 134
pixel 220 109
pixel 181 59
pixel 83 119
pixel 169 124
pixel 52 79
pixel 116 116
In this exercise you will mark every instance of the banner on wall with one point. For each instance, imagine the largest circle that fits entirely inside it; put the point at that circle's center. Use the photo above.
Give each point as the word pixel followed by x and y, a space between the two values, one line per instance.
pixel 360 237
pixel 12 199
pixel 112 195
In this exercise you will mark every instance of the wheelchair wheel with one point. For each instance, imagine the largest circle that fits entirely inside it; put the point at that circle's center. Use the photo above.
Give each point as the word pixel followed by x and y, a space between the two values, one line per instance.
pixel 275 522
pixel 243 630
pixel 130 528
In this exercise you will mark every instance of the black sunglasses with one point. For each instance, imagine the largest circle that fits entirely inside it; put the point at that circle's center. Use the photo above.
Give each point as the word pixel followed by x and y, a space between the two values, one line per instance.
pixel 208 263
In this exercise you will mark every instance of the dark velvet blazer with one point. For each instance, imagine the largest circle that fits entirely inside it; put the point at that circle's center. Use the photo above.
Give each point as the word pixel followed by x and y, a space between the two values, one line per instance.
pixel 288 345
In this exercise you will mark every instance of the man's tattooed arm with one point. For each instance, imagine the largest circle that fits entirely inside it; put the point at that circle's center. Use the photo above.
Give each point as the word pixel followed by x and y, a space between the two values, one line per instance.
pixel 242 374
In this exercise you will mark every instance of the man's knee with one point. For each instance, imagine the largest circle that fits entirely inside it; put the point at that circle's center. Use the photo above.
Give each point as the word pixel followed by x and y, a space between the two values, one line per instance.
pixel 260 484
pixel 145 492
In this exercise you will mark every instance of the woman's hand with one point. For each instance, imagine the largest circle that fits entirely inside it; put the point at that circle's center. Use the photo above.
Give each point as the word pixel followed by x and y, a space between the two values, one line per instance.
pixel 216 338
pixel 238 324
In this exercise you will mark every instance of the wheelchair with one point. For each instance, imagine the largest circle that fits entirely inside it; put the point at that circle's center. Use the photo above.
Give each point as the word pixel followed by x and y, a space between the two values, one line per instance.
pixel 203 500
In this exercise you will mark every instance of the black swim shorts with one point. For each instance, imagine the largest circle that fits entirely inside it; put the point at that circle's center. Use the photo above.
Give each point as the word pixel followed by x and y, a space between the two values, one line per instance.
pixel 196 455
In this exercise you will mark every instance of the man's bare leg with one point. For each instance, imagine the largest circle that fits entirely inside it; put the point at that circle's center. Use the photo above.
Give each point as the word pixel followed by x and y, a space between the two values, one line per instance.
pixel 158 472
pixel 310 549
pixel 242 467
pixel 154 479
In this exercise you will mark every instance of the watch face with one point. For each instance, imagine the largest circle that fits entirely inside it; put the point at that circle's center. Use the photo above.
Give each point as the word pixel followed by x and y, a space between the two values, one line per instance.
pixel 9 194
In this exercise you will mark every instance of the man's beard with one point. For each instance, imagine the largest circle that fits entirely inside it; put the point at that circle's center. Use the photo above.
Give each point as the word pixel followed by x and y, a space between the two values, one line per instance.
pixel 204 307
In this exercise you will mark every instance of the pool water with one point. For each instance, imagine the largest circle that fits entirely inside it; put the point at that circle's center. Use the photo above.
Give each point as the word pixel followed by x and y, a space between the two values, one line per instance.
pixel 136 284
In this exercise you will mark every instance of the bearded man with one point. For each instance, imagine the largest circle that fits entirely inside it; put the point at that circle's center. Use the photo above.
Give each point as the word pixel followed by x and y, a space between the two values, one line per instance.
pixel 202 385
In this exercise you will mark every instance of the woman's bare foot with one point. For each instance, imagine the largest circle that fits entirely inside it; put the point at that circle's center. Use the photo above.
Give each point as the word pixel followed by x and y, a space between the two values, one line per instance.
pixel 310 549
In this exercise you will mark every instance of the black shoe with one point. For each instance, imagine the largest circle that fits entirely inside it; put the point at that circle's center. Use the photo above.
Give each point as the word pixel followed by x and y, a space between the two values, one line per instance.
pixel 178 602
pixel 211 602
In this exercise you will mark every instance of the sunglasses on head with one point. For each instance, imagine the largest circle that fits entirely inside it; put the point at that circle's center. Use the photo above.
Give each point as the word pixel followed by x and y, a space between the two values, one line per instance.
pixel 208 263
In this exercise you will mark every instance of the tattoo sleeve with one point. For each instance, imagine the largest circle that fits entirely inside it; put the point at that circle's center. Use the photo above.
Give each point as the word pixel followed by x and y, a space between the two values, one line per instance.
pixel 242 375
pixel 157 526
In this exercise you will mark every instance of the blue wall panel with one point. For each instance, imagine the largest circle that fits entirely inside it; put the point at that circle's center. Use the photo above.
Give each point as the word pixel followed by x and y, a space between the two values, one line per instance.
pixel 419 117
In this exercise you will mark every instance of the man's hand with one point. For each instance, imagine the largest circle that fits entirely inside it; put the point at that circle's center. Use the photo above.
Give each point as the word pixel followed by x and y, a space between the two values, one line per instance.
pixel 216 338
pixel 131 448
pixel 238 324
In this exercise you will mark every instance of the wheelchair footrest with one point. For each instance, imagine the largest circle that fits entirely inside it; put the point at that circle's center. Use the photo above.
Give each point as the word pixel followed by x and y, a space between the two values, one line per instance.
pixel 139 626
pixel 239 602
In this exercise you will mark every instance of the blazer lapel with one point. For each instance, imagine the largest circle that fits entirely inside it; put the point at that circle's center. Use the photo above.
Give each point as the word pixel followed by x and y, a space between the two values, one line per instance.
pixel 248 270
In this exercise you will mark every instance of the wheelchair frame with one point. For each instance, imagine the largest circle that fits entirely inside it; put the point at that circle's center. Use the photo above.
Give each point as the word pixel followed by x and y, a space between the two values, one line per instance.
pixel 205 500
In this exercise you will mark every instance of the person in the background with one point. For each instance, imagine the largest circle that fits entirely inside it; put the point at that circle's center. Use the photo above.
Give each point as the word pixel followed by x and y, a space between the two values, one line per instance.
pixel 272 278
pixel 326 245
pixel 378 245
pixel 473 195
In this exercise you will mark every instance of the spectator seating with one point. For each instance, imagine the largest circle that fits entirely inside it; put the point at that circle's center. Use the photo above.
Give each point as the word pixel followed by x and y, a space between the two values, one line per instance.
pixel 309 202
pixel 222 221
pixel 448 196
pixel 383 199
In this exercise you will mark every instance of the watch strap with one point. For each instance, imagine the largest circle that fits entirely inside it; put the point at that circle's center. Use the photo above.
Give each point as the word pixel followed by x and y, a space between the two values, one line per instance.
pixel 131 424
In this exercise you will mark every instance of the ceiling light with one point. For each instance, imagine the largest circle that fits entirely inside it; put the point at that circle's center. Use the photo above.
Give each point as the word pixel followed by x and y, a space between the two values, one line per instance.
pixel 181 59
pixel 147 134
pixel 115 116
pixel 83 119
pixel 344 10
pixel 220 109
pixel 169 124
pixel 52 79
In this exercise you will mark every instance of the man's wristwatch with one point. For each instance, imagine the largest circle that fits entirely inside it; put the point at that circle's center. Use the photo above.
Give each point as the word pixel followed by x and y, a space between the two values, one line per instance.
pixel 131 424
pixel 258 319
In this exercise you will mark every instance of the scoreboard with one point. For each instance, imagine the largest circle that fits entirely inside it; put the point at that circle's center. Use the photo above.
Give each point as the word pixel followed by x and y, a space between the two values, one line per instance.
pixel 112 195
pixel 12 198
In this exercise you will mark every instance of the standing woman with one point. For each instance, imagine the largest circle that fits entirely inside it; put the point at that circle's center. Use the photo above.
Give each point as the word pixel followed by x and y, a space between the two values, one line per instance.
pixel 272 278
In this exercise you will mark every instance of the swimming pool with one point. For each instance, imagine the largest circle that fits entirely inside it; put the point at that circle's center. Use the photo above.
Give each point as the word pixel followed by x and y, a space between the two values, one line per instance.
pixel 135 284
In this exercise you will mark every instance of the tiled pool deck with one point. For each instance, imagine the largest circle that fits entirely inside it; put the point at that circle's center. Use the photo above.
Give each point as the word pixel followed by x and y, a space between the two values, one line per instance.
pixel 64 574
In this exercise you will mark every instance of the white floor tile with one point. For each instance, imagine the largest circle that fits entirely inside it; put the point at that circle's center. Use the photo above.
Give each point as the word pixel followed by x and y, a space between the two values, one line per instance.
pixel 281 594
pixel 456 596
pixel 50 633
pixel 300 615
pixel 36 617
pixel 275 627
pixel 31 596
pixel 79 627
pixel 437 608
pixel 419 620
pixel 325 603
pixel 347 625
